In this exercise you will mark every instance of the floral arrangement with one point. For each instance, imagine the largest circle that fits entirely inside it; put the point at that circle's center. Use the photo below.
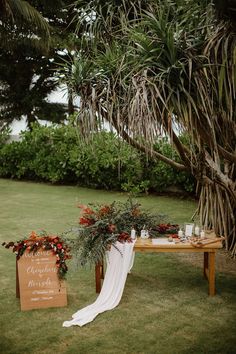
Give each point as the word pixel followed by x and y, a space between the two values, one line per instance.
pixel 101 226
pixel 167 228
pixel 46 242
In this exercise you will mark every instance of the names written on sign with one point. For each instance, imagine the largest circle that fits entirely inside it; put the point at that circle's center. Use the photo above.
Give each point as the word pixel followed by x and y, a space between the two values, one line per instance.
pixel 38 281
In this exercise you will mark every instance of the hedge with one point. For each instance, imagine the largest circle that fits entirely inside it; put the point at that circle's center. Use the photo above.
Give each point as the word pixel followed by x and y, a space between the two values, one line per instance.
pixel 58 154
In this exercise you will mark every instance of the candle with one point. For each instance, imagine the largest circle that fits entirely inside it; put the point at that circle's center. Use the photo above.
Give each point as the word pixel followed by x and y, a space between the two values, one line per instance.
pixel 143 233
pixel 133 234
pixel 202 235
pixel 197 231
pixel 180 233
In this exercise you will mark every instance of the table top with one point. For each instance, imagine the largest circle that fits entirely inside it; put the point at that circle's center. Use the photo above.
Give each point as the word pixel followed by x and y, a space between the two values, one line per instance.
pixel 163 245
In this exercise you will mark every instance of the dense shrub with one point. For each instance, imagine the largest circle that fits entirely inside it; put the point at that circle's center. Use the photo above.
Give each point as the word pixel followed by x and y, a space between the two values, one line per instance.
pixel 106 162
pixel 58 154
pixel 162 176
pixel 4 136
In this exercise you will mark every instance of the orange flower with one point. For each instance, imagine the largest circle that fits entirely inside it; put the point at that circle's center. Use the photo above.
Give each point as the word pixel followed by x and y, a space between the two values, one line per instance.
pixel 85 209
pixel 104 210
pixel 88 210
pixel 135 212
pixel 33 235
pixel 81 206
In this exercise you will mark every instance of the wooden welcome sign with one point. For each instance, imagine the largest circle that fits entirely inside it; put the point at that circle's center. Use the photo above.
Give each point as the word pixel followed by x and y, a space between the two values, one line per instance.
pixel 37 282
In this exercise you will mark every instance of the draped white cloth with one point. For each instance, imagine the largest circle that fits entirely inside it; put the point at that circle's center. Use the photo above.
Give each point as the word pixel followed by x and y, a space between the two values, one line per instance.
pixel 119 264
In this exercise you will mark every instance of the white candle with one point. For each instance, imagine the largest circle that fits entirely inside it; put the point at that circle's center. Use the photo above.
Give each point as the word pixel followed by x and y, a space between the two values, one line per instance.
pixel 143 233
pixel 180 233
pixel 133 234
pixel 197 231
pixel 202 235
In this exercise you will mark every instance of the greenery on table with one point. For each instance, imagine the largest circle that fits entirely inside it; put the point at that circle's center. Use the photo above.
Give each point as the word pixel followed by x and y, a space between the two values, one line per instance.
pixel 102 225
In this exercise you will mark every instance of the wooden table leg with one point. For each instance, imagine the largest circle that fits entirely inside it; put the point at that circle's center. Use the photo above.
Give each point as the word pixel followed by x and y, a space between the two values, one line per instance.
pixel 102 270
pixel 205 265
pixel 98 276
pixel 211 278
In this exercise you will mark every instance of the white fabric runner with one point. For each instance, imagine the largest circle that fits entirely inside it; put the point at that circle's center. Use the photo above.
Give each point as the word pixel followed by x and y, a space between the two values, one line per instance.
pixel 118 266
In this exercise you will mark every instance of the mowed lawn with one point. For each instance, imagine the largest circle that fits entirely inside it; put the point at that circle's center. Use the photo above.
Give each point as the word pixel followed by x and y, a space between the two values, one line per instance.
pixel 165 308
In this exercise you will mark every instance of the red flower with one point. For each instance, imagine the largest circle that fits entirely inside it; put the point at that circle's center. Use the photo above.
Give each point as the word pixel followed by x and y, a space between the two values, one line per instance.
pixel 59 246
pixel 86 210
pixel 86 221
pixel 104 210
pixel 124 237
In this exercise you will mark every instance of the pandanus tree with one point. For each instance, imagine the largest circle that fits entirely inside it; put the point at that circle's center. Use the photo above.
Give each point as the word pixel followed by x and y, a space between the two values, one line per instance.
pixel 164 67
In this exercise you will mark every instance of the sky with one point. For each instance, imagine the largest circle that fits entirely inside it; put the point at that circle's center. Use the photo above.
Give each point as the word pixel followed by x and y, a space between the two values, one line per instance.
pixel 57 96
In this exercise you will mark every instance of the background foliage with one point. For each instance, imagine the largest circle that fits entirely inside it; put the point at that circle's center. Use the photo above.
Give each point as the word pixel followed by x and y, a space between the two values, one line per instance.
pixel 58 154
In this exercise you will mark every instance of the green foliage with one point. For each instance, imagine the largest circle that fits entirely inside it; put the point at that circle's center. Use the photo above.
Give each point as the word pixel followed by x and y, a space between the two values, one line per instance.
pixel 4 136
pixel 58 154
pixel 102 225
pixel 106 162
pixel 162 176
pixel 27 58
pixel 136 189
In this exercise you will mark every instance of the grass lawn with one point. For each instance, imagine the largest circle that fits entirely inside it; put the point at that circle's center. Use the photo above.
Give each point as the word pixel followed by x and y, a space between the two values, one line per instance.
pixel 164 309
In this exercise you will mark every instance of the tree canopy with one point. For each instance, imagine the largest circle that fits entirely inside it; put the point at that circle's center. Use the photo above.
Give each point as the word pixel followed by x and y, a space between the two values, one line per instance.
pixel 33 39
pixel 154 67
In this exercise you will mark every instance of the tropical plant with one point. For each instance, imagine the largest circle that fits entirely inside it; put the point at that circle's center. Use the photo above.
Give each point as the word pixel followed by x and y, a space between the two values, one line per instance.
pixel 153 67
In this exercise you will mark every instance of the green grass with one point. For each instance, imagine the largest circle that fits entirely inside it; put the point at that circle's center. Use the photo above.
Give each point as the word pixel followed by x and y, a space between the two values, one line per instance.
pixel 164 309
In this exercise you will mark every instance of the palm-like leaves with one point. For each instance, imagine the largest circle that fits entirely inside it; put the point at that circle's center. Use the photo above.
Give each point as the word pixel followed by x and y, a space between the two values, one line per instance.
pixel 20 11
pixel 21 23
pixel 170 62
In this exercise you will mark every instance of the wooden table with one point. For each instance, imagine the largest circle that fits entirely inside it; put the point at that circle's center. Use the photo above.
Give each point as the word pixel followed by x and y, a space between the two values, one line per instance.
pixel 208 250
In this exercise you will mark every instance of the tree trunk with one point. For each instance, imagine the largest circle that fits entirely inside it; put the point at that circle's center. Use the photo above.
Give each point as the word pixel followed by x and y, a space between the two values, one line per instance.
pixel 30 120
pixel 217 210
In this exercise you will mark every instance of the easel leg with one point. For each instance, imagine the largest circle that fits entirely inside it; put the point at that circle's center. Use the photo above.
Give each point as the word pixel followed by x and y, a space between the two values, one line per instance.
pixel 17 281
